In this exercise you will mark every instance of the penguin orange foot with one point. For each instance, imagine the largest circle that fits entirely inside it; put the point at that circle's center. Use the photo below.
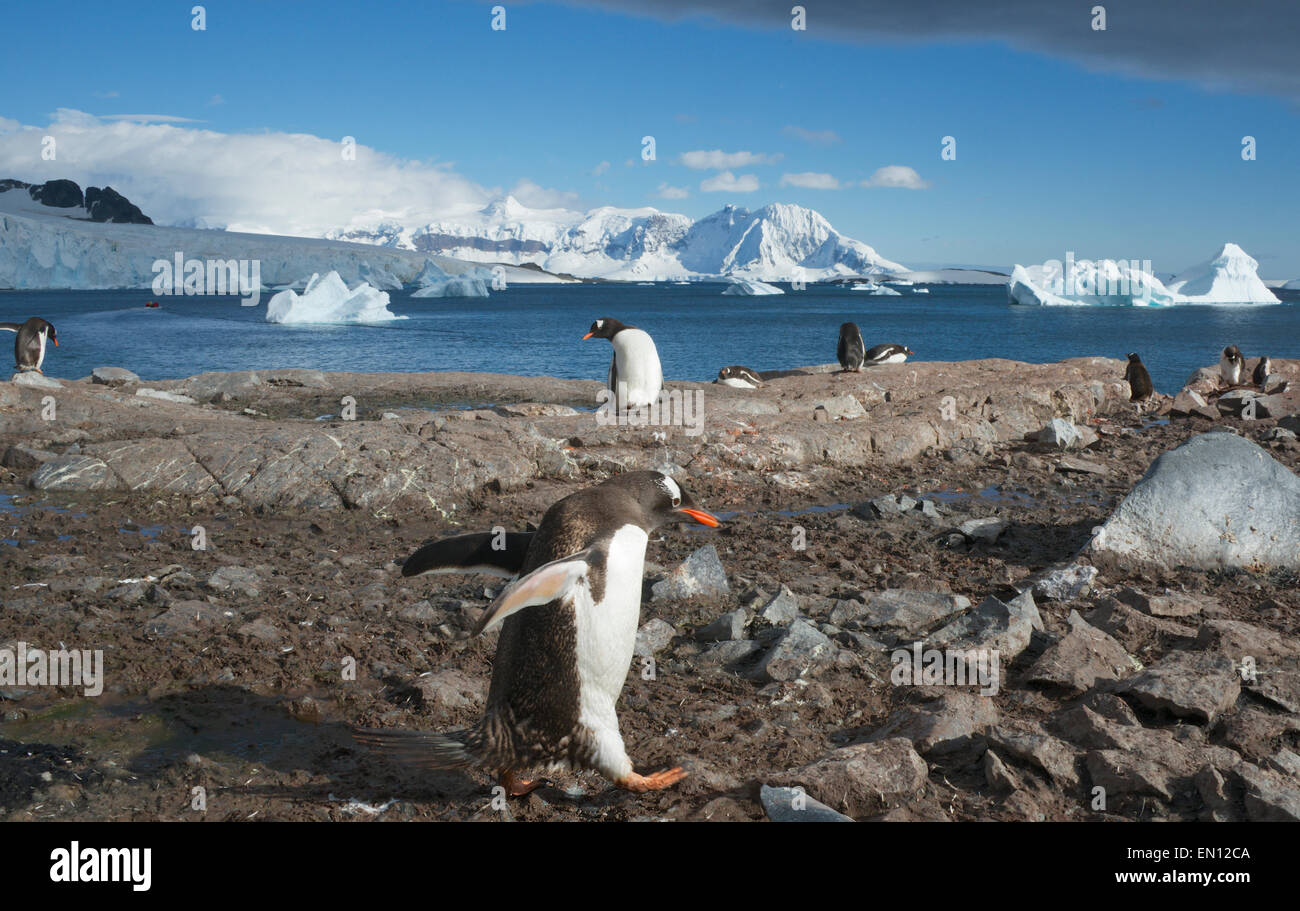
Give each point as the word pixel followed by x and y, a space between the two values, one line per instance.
pixel 518 787
pixel 659 781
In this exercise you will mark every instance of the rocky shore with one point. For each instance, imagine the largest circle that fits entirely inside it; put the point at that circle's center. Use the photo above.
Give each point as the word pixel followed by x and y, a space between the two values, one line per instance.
pixel 229 542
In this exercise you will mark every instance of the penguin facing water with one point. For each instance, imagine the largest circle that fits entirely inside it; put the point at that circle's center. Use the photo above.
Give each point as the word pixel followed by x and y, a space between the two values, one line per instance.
pixel 888 354
pixel 850 351
pixel 1139 381
pixel 568 628
pixel 739 377
pixel 1232 365
pixel 635 376
pixel 29 346
pixel 1262 370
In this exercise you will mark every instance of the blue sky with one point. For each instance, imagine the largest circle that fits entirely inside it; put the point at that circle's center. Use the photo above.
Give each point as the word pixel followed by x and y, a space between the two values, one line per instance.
pixel 1053 155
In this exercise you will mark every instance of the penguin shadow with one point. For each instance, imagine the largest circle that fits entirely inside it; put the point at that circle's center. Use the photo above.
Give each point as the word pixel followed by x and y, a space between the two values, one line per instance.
pixel 226 722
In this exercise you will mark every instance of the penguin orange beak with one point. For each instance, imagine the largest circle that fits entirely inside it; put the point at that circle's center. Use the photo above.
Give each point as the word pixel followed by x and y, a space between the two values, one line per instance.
pixel 701 516
pixel 587 336
pixel 56 341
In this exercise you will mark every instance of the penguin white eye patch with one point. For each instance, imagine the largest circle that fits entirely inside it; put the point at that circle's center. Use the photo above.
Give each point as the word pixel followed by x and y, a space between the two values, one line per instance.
pixel 674 491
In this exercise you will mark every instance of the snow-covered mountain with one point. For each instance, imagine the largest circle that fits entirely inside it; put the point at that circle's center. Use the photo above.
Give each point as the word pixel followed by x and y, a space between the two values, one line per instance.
pixel 775 243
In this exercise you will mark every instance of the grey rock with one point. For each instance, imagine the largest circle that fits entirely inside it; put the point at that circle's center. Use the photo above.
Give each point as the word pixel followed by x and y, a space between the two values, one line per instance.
pixel 865 779
pixel 113 376
pixel 653 636
pixel 840 407
pixel 1270 796
pixel 800 650
pixel 730 626
pixel 725 654
pixel 1196 685
pixel 793 805
pixel 1059 434
pixel 22 456
pixel 949 724
pixel 1051 754
pixel 987 529
pixel 994 625
pixel 1217 501
pixel 450 689
pixel 34 380
pixel 237 580
pixel 1137 631
pixel 998 776
pixel 1065 583
pixel 73 472
pixel 700 574
pixel 781 609
pixel 185 617
pixel 163 395
pixel 1079 660
pixel 898 614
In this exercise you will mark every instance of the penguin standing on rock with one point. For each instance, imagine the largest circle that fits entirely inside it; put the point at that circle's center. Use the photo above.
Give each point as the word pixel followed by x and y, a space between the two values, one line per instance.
pixel 1139 381
pixel 29 346
pixel 739 377
pixel 888 354
pixel 635 376
pixel 570 623
pixel 1262 370
pixel 850 351
pixel 1232 365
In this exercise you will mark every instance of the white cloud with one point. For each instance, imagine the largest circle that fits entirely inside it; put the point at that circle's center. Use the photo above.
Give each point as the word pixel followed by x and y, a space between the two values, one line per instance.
pixel 717 160
pixel 215 100
pixel 816 137
pixel 104 94
pixel 8 126
pixel 896 175
pixel 600 169
pixel 810 180
pixel 667 192
pixel 539 197
pixel 290 183
pixel 726 182
pixel 149 118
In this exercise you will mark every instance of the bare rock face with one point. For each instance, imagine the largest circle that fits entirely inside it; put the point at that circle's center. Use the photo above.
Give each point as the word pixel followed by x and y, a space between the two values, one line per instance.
pixel 1218 501
pixel 865 779
pixel 1083 657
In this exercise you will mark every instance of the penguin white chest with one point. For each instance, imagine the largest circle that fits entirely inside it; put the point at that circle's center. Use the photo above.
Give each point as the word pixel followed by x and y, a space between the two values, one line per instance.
pixel 606 630
pixel 636 377
pixel 40 358
pixel 738 384
pixel 895 359
pixel 1230 370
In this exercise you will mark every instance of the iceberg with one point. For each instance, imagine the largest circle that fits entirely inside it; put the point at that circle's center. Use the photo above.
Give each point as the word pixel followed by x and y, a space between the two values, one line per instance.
pixel 873 288
pixel 328 300
pixel 437 282
pixel 747 286
pixel 1228 278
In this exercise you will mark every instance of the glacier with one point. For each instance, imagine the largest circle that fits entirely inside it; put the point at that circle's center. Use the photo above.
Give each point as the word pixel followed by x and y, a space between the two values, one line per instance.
pixel 749 287
pixel 1230 277
pixel 329 300
pixel 43 247
pixel 436 282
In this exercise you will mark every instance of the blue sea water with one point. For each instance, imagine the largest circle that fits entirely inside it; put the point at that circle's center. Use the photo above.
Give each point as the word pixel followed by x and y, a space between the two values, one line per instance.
pixel 536 330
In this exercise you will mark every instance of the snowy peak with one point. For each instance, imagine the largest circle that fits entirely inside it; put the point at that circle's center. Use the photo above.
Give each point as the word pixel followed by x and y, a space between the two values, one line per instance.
pixel 777 242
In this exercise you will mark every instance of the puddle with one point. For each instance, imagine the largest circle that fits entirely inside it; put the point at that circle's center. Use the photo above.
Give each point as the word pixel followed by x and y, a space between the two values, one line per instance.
pixel 991 494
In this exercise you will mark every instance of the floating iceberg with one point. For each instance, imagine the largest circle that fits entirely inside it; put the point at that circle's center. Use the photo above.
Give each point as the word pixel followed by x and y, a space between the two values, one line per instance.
pixel 436 282
pixel 328 300
pixel 873 288
pixel 748 287
pixel 379 277
pixel 1228 278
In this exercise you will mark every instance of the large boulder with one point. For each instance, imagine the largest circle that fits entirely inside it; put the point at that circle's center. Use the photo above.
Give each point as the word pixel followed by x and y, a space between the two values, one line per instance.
pixel 1217 501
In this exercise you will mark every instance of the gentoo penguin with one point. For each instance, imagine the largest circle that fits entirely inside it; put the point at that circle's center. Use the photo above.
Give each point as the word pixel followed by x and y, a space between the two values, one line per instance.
pixel 1139 381
pixel 29 346
pixel 1231 365
pixel 740 377
pixel 888 354
pixel 1262 370
pixel 850 351
pixel 570 622
pixel 635 376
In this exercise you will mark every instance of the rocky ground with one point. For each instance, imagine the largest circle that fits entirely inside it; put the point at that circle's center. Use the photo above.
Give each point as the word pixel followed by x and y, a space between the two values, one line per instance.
pixel 863 512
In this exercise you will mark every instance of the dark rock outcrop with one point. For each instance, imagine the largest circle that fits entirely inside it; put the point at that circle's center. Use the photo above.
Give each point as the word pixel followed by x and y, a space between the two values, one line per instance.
pixel 61 194
pixel 109 205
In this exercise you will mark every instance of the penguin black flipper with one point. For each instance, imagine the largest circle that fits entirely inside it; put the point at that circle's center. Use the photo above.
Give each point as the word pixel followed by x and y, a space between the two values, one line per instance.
pixel 11 327
pixel 549 582
pixel 471 554
pixel 422 749
pixel 613 380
